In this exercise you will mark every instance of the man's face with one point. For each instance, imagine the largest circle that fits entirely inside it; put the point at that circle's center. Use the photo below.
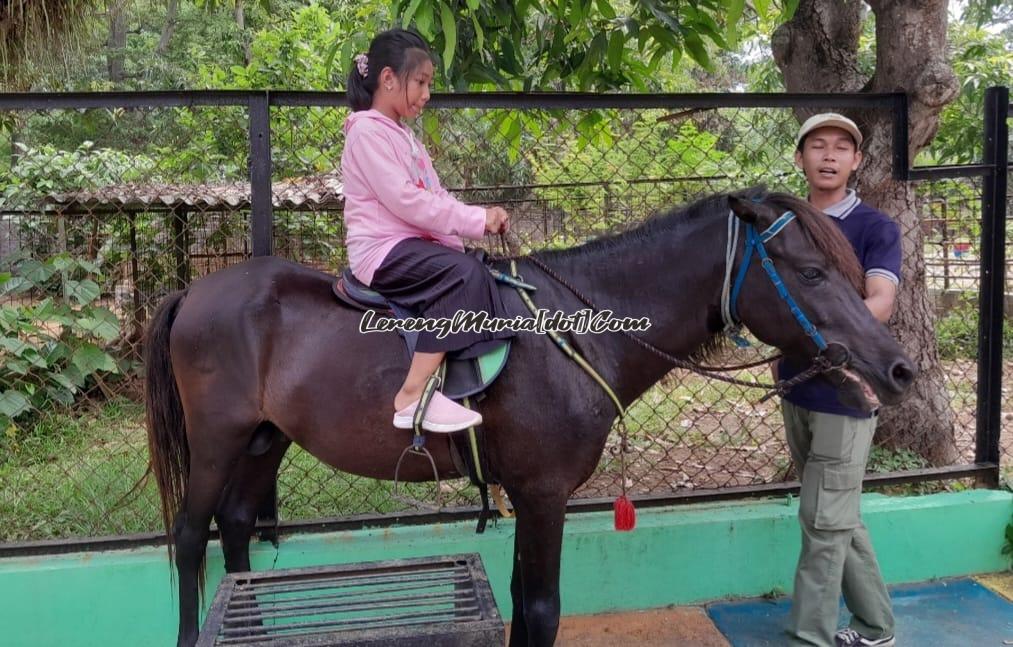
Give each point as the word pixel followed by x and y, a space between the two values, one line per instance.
pixel 828 158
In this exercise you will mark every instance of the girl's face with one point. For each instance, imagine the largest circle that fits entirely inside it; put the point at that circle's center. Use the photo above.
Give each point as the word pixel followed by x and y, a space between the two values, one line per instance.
pixel 405 97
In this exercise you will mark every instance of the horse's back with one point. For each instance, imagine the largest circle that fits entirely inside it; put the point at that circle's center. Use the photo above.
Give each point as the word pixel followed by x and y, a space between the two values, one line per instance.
pixel 230 323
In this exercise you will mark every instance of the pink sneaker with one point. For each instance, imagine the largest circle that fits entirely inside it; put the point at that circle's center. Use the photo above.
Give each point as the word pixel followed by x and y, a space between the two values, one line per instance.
pixel 443 416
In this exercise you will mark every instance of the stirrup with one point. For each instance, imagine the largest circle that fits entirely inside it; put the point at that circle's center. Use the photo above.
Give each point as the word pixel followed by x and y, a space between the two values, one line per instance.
pixel 418 447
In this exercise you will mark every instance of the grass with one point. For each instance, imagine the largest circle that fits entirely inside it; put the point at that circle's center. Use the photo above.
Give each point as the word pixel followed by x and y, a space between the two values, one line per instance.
pixel 66 476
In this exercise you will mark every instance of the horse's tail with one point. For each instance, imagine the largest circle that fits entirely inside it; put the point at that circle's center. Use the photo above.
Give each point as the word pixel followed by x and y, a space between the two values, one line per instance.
pixel 167 444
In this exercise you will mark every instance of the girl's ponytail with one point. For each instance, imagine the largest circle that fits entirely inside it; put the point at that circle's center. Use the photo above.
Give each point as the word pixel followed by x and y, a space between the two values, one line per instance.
pixel 361 87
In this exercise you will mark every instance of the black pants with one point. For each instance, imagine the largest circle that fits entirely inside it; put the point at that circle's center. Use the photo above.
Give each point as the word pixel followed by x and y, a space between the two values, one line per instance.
pixel 434 281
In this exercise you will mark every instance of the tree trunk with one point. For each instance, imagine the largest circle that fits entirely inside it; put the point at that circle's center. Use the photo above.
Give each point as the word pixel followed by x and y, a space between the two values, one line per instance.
pixel 817 51
pixel 171 12
pixel 117 43
pixel 241 22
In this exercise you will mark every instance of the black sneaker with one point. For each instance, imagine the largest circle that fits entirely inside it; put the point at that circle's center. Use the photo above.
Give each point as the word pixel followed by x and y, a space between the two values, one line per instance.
pixel 851 638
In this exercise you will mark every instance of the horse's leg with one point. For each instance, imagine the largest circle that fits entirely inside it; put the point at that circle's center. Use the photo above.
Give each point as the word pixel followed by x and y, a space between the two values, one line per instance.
pixel 539 541
pixel 211 466
pixel 518 630
pixel 252 482
pixel 268 512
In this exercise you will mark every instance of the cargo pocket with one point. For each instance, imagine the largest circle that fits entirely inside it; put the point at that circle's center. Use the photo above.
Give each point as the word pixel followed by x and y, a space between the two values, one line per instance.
pixel 837 505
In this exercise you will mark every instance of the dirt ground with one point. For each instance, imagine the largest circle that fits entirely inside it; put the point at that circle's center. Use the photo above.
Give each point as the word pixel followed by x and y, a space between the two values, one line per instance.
pixel 656 628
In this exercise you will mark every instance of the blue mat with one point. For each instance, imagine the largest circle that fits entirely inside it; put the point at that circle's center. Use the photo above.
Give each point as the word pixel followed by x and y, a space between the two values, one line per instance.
pixel 951 613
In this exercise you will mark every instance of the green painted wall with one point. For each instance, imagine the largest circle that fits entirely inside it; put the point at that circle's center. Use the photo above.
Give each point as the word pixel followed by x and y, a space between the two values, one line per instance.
pixel 675 556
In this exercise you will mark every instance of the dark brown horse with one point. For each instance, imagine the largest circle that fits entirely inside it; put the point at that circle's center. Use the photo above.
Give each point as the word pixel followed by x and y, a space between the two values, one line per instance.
pixel 261 351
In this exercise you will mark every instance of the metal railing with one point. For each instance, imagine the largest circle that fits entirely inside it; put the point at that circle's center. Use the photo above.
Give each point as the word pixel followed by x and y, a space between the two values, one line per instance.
pixel 177 184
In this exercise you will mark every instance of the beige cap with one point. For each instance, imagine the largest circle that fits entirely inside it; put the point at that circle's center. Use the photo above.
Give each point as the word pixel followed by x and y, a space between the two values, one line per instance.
pixel 829 119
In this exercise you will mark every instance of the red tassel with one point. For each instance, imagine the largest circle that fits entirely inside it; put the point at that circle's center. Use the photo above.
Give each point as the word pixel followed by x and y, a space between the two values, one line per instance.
pixel 625 514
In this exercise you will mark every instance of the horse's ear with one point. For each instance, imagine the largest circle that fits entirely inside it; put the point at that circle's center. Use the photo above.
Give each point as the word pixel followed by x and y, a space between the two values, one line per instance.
pixel 744 209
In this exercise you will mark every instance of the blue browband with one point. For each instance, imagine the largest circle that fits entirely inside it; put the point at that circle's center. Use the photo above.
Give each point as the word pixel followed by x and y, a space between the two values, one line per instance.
pixel 755 241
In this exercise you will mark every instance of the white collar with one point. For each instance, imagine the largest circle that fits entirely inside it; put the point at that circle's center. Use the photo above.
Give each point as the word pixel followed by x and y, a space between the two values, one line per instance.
pixel 842 209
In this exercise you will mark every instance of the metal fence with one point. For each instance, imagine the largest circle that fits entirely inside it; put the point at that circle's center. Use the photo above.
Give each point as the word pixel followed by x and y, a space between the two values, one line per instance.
pixel 112 200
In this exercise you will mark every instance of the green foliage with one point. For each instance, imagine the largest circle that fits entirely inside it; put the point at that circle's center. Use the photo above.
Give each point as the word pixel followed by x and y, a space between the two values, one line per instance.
pixel 609 149
pixel 53 343
pixel 295 52
pixel 980 59
pixel 579 44
pixel 47 169
pixel 957 331
pixel 884 460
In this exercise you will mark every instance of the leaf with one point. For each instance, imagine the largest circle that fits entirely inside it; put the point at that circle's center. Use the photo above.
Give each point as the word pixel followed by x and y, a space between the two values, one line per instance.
pixel 576 13
pixel 34 357
pixel 697 50
pixel 88 266
pixel 102 323
pixel 424 21
pixel 54 352
pixel 410 13
pixel 63 263
pixel 89 359
pixel 15 284
pixel 666 18
pixel 789 9
pixel 479 33
pixel 14 345
pixel 64 397
pixel 63 381
pixel 735 10
pixel 615 52
pixel 449 36
pixel 431 126
pixel 16 366
pixel 13 403
pixel 474 4
pixel 606 9
pixel 84 292
pixel 36 272
pixel 74 375
pixel 509 57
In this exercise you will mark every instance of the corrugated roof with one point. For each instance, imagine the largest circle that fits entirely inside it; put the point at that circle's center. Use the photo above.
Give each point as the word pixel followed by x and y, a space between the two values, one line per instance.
pixel 314 192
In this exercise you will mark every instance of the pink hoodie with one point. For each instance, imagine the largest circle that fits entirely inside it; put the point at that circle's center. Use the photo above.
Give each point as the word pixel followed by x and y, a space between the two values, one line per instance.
pixel 392 193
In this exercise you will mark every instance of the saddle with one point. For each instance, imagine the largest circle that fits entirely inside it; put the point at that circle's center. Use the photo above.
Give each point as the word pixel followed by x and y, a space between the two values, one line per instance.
pixel 462 378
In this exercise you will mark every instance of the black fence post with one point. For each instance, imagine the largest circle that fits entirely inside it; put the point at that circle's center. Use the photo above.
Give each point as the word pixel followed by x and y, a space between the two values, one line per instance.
pixel 261 208
pixel 993 281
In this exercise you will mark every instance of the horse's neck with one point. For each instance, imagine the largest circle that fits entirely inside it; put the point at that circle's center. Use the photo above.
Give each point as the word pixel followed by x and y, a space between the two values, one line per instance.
pixel 672 282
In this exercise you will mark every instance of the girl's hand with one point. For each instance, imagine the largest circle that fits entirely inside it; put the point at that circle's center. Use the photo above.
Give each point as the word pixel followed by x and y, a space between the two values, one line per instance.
pixel 497 220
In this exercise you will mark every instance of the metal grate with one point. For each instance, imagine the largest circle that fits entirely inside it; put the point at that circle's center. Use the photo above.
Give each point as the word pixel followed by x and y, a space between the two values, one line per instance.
pixel 425 601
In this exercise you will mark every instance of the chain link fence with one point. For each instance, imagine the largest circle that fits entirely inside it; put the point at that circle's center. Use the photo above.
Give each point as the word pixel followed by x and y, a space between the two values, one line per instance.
pixel 106 208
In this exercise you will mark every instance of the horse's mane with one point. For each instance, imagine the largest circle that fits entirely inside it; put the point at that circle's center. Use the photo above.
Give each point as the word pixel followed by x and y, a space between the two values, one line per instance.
pixel 659 223
pixel 825 236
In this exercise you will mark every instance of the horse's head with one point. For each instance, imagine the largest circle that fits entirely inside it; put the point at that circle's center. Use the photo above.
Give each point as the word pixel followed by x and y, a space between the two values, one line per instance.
pixel 821 274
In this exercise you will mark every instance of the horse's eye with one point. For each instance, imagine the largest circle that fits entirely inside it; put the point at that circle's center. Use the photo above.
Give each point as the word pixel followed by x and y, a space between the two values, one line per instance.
pixel 811 275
